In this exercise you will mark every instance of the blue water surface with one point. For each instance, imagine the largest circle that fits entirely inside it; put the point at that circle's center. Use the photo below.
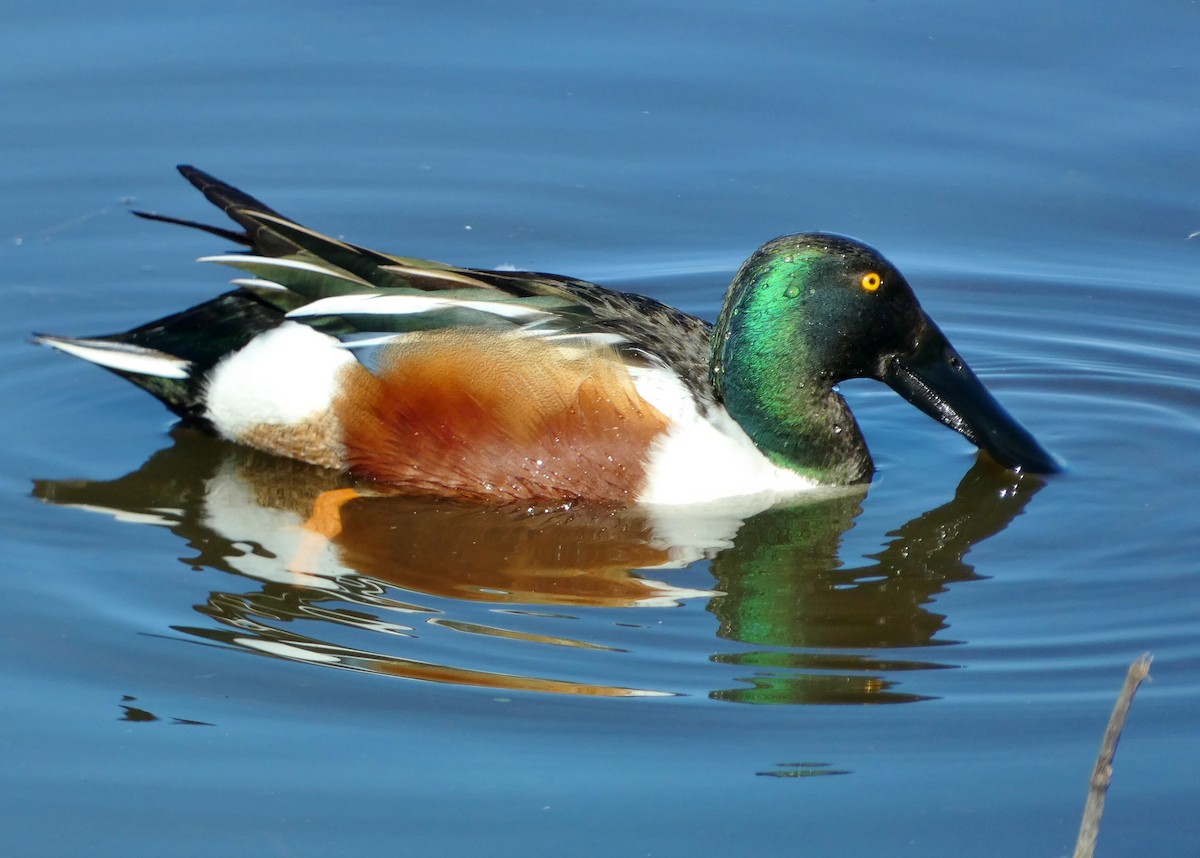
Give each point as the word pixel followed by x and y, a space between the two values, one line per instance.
pixel 922 669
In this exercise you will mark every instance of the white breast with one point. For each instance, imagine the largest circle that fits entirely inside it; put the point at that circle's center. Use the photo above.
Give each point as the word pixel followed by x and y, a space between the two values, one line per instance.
pixel 699 459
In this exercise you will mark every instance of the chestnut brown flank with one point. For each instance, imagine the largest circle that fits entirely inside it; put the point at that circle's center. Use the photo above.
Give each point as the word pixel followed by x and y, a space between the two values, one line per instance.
pixel 498 417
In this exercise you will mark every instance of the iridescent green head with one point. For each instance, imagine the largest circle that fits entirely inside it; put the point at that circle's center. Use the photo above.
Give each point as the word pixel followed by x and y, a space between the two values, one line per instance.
pixel 807 311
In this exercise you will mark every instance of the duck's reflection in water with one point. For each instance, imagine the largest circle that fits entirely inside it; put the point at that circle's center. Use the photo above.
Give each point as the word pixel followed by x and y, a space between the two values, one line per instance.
pixel 400 568
pixel 785 589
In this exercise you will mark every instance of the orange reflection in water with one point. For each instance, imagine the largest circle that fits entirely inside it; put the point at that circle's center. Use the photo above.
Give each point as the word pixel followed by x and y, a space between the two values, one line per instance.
pixel 412 572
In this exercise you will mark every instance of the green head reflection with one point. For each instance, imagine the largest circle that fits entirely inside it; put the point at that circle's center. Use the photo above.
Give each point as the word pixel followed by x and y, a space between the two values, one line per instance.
pixel 432 590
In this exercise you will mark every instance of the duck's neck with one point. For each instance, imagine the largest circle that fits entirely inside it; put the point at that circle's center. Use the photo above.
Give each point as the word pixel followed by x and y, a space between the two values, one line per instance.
pixel 766 370
pixel 799 425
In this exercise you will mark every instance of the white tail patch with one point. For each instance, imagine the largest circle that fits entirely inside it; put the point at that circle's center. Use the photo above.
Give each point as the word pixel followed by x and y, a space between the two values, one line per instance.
pixel 122 357
pixel 284 377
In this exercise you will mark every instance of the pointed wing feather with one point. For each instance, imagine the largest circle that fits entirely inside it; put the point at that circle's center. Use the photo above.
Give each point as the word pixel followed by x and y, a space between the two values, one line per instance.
pixel 234 203
pixel 311 267
pixel 379 269
pixel 306 281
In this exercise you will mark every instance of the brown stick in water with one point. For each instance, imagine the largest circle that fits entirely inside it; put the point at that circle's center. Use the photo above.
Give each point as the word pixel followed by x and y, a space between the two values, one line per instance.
pixel 1089 829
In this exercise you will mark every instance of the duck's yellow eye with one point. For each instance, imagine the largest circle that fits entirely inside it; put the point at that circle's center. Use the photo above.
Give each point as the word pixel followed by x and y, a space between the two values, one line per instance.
pixel 870 281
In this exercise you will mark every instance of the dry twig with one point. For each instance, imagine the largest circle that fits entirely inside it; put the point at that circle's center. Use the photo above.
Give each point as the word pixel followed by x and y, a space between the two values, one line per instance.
pixel 1089 829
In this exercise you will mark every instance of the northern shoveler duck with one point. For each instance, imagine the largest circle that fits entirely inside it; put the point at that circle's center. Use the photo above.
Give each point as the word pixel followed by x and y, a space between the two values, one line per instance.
pixel 516 386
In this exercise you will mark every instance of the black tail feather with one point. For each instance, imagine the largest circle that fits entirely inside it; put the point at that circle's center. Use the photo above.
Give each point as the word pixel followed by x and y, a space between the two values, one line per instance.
pixel 224 196
pixel 205 333
pixel 234 203
pixel 201 335
pixel 258 236
pixel 228 234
